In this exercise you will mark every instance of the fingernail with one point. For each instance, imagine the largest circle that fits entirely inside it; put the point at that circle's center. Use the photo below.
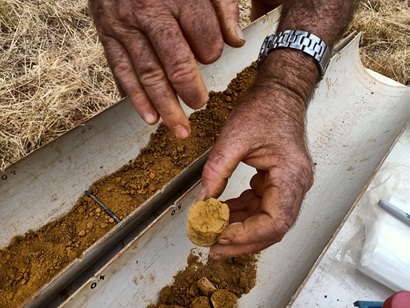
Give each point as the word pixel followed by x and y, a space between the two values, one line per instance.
pixel 201 195
pixel 224 241
pixel 216 256
pixel 181 132
pixel 239 32
pixel 150 118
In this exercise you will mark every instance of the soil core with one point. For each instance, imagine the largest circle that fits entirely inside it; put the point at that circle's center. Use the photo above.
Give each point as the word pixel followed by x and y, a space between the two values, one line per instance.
pixel 206 221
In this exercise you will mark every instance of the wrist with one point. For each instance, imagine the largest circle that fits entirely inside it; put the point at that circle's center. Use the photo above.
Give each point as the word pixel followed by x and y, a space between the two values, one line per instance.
pixel 292 70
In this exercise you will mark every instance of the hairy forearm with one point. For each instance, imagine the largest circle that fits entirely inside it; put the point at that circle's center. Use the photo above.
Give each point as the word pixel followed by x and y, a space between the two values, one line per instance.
pixel 327 19
pixel 288 77
pixel 293 69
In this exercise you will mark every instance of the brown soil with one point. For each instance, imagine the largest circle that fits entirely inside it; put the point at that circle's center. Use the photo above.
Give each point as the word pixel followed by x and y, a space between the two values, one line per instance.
pixel 230 280
pixel 206 221
pixel 32 260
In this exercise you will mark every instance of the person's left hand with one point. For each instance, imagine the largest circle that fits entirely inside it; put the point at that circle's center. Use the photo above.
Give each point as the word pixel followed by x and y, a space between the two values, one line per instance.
pixel 265 131
pixel 152 48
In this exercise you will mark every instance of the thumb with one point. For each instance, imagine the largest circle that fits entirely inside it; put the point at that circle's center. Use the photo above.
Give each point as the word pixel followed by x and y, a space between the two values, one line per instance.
pixel 223 159
pixel 227 12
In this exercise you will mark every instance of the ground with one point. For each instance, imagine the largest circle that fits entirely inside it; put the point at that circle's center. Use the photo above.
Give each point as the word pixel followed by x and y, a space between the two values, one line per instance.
pixel 53 74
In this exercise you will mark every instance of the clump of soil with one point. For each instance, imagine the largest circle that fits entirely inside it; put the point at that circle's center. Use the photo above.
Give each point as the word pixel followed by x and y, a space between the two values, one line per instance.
pixel 216 284
pixel 206 221
pixel 32 260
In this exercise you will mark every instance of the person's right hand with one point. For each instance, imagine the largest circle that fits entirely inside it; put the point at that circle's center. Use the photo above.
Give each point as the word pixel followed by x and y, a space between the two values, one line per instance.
pixel 265 131
pixel 152 47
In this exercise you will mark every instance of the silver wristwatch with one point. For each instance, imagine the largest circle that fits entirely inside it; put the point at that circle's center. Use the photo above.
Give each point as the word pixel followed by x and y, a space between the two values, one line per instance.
pixel 300 40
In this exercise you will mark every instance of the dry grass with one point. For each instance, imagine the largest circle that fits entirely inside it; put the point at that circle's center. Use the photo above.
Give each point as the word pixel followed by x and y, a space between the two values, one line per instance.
pixel 53 74
pixel 386 41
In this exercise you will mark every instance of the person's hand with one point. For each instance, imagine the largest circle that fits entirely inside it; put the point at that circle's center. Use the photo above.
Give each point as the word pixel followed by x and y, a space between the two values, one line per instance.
pixel 265 131
pixel 152 47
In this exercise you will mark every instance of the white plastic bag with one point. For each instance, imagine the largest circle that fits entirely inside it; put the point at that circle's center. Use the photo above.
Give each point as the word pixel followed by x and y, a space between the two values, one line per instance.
pixel 386 252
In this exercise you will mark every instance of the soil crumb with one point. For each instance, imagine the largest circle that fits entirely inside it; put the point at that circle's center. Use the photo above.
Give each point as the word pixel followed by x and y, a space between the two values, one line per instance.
pixel 214 284
pixel 206 221
pixel 33 259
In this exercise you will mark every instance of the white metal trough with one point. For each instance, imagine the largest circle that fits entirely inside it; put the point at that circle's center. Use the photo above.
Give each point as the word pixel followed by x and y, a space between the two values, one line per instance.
pixel 353 120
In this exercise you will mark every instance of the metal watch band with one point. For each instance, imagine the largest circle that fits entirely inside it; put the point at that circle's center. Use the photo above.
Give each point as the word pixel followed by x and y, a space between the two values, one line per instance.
pixel 300 40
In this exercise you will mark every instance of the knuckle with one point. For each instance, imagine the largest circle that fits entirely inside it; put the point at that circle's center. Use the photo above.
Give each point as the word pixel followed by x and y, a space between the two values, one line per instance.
pixel 212 170
pixel 209 170
pixel 121 70
pixel 123 15
pixel 298 172
pixel 182 73
pixel 154 77
pixel 127 14
pixel 173 118
pixel 280 229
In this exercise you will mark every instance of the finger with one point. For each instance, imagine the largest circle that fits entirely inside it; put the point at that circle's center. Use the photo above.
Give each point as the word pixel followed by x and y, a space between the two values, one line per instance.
pixel 121 91
pixel 243 207
pixel 257 183
pixel 223 159
pixel 254 234
pixel 155 83
pixel 220 252
pixel 227 12
pixel 240 203
pixel 178 61
pixel 256 229
pixel 122 68
pixel 279 207
pixel 201 29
